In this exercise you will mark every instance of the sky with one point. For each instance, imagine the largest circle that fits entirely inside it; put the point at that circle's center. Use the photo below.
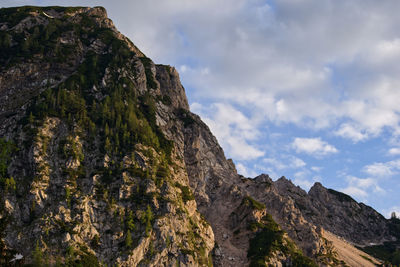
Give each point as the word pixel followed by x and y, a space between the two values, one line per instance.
pixel 306 89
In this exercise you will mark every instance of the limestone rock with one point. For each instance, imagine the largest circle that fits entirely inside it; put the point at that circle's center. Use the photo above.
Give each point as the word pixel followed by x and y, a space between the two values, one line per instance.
pixel 113 167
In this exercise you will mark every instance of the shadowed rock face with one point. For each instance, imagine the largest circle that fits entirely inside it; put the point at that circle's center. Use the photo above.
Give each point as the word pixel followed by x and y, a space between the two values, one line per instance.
pixel 343 216
pixel 112 166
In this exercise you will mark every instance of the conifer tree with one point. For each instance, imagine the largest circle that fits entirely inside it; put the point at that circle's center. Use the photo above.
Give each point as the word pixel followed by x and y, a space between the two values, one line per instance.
pixel 128 239
pixel 37 256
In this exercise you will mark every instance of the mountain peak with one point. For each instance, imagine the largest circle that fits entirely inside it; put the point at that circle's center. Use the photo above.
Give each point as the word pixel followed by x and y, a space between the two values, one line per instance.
pixel 316 187
pixel 103 162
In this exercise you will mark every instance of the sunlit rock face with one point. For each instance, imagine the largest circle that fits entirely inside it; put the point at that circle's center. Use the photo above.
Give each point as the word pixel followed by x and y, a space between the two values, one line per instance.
pixel 102 162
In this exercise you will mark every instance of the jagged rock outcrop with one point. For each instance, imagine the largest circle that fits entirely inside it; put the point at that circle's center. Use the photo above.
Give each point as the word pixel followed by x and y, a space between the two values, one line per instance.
pixel 91 178
pixel 102 162
pixel 345 217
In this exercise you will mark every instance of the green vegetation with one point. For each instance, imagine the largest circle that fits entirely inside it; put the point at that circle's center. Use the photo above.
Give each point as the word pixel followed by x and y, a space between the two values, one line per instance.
pixel 68 196
pixel 14 15
pixel 39 40
pixel 80 257
pixel 165 99
pixel 270 238
pixel 187 194
pixel 186 117
pixel 254 204
pixel 299 260
pixel 266 241
pixel 389 251
pixel 148 219
pixel 130 221
pixel 121 119
pixel 394 227
pixel 104 116
pixel 70 148
pixel 66 227
pixel 330 255
pixel 149 74
pixel 37 256
pixel 128 239
pixel 6 254
pixel 6 150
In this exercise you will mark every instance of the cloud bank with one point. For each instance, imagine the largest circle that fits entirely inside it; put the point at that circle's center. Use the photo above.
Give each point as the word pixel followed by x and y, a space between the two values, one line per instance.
pixel 262 73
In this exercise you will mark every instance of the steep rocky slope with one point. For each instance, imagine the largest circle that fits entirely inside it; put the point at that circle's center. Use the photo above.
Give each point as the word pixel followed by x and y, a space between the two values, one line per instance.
pixel 90 177
pixel 102 162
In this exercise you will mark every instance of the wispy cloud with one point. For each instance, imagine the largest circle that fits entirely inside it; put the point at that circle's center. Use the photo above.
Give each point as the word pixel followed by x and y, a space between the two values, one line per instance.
pixel 289 58
pixel 232 128
pixel 283 57
pixel 383 169
pixel 349 131
pixel 316 168
pixel 355 191
pixel 360 187
pixel 321 67
pixel 285 162
pixel 394 151
pixel 246 172
pixel 304 179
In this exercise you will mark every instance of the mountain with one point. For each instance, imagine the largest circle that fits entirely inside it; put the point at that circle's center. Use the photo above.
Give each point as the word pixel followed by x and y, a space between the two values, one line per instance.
pixel 102 163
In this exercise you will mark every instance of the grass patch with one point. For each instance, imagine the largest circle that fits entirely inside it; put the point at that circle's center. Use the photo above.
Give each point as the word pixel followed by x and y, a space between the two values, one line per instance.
pixel 270 238
pixel 187 194
pixel 185 117
pixel 254 204
pixel 387 252
pixel 151 83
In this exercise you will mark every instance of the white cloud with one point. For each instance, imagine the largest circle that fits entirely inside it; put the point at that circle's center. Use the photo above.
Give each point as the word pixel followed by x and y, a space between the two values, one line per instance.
pixel 243 170
pixel 361 182
pixel 268 169
pixel 276 164
pixel 279 165
pixel 313 146
pixel 394 151
pixel 303 183
pixel 290 59
pixel 232 128
pixel 301 179
pixel 332 68
pixel 286 162
pixel 383 169
pixel 301 174
pixel 347 130
pixel 297 163
pixel 378 169
pixel 359 187
pixel 316 168
pixel 183 68
pixel 355 192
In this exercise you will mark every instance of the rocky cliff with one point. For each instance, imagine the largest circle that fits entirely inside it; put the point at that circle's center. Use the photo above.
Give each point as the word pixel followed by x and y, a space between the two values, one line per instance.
pixel 103 163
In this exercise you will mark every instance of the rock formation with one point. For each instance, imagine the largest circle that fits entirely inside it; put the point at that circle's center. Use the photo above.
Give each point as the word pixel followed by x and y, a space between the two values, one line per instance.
pixel 102 162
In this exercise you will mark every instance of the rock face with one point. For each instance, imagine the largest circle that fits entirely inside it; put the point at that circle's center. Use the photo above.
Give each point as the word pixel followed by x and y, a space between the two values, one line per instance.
pixel 353 221
pixel 90 176
pixel 102 162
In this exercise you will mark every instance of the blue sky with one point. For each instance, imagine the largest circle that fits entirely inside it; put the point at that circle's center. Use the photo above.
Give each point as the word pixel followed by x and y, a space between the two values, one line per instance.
pixel 307 89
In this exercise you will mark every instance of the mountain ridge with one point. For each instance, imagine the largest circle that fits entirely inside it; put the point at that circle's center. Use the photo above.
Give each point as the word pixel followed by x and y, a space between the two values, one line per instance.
pixel 113 167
